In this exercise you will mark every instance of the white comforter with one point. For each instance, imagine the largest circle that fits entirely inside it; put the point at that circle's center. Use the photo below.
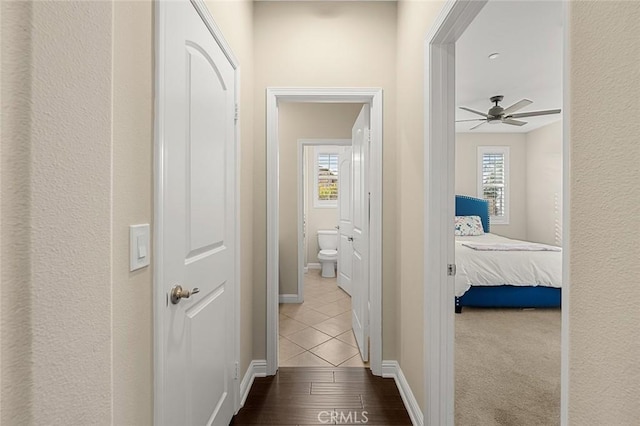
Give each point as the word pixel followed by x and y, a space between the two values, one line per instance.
pixel 517 268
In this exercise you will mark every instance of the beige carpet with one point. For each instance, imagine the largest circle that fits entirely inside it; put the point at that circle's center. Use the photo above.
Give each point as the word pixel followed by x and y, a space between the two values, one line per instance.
pixel 507 367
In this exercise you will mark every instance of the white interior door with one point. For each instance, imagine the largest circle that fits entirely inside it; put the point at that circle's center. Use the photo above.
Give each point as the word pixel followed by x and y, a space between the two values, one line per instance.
pixel 197 221
pixel 360 231
pixel 345 229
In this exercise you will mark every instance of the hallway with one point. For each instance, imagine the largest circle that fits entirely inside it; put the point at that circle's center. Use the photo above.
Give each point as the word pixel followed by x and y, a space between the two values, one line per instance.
pixel 323 395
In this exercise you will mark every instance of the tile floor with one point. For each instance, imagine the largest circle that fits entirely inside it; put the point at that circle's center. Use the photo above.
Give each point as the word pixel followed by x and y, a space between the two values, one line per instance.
pixel 317 333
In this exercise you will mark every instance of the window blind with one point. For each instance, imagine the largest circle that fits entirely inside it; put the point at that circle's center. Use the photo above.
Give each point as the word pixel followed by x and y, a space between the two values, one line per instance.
pixel 327 177
pixel 493 182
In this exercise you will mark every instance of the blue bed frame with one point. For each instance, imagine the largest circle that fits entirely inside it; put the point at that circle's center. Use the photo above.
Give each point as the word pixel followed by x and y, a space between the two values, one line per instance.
pixel 503 296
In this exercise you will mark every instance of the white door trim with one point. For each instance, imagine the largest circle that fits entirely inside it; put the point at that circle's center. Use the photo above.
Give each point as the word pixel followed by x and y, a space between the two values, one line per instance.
pixel 301 194
pixel 439 163
pixel 373 97
pixel 159 296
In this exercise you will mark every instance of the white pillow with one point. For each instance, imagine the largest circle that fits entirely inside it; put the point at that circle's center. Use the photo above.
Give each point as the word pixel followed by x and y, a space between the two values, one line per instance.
pixel 468 225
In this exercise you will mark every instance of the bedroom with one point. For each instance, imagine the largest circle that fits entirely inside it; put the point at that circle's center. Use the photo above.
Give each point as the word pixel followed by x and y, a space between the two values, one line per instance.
pixel 508 337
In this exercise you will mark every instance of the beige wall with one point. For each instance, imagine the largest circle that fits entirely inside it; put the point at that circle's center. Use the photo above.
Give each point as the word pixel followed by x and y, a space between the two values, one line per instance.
pixel 544 184
pixel 467 175
pixel 132 203
pixel 56 193
pixel 15 181
pixel 336 44
pixel 604 319
pixel 303 121
pixel 407 335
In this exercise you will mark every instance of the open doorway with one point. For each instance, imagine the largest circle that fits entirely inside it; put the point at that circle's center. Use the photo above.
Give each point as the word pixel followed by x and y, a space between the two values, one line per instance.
pixel 365 310
pixel 444 181
pixel 508 149
pixel 324 178
pixel 315 325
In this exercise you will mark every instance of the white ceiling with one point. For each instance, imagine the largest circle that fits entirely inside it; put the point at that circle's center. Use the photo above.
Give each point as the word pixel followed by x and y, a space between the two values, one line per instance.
pixel 528 36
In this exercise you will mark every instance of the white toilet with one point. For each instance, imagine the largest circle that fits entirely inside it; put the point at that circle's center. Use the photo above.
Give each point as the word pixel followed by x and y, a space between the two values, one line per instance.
pixel 328 254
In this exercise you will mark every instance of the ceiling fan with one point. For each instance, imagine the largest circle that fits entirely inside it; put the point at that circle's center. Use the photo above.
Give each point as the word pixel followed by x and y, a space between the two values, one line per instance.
pixel 497 114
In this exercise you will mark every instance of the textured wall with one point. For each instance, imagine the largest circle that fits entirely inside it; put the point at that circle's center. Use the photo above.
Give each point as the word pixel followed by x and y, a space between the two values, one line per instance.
pixel 70 211
pixel 544 184
pixel 133 79
pixel 604 319
pixel 303 121
pixel 336 44
pixel 15 178
pixel 467 175
pixel 414 20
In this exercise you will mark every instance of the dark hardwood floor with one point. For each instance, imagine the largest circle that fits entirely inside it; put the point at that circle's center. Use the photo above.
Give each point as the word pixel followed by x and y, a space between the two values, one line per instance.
pixel 323 395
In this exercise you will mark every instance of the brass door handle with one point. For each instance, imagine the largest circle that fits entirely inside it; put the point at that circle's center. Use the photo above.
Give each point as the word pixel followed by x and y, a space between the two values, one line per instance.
pixel 178 293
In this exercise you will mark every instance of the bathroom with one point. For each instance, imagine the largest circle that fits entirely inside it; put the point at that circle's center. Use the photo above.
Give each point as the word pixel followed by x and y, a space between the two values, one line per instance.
pixel 315 312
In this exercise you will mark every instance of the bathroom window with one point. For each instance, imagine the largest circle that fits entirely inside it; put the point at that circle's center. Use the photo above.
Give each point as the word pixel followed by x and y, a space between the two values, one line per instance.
pixel 326 179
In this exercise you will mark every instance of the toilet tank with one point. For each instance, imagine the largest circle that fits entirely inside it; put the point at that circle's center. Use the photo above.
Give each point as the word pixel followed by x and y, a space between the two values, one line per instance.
pixel 328 239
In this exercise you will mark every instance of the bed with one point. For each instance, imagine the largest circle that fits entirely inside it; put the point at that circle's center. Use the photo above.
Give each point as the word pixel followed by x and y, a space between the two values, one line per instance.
pixel 486 276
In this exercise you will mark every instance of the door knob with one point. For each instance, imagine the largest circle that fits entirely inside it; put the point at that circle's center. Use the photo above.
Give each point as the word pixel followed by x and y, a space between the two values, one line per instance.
pixel 178 293
pixel 337 226
pixel 350 238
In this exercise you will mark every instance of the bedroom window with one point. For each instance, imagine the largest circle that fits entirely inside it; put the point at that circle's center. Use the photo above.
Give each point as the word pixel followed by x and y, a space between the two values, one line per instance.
pixel 326 179
pixel 493 181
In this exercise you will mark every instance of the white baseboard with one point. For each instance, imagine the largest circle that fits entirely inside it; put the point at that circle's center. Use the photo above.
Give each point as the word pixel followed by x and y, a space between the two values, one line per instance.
pixel 391 369
pixel 289 298
pixel 314 266
pixel 257 368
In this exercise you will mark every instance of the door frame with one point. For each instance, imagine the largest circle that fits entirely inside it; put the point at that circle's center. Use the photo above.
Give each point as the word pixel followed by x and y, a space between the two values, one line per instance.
pixel 159 295
pixel 372 97
pixel 439 165
pixel 302 143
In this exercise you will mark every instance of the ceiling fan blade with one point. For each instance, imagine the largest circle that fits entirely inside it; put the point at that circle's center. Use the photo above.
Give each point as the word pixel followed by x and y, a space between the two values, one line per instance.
pixel 472 119
pixel 513 122
pixel 515 107
pixel 475 127
pixel 475 112
pixel 535 113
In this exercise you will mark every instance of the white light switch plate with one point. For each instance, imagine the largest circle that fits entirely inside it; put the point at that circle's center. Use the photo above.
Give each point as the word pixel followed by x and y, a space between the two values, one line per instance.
pixel 139 250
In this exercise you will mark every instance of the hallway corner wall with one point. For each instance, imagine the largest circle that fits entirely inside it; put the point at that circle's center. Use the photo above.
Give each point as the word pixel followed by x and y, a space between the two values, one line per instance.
pixel 15 177
pixel 133 186
pixel 56 224
pixel 414 21
pixel 544 184
pixel 604 373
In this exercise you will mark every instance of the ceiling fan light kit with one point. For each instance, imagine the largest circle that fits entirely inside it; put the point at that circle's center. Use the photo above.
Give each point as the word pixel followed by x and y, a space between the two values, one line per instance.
pixel 497 114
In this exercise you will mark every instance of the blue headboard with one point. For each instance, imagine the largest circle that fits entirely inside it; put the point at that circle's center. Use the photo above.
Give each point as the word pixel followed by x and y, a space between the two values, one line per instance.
pixel 470 206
